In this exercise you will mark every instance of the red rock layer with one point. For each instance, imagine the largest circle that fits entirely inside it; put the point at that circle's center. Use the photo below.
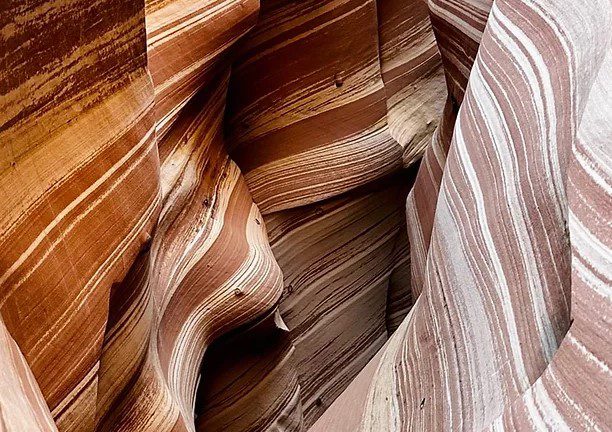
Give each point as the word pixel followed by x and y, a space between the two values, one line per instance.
pixel 458 27
pixel 209 270
pixel 141 288
pixel 411 72
pixel 516 232
pixel 337 258
pixel 321 102
pixel 307 114
pixel 79 184
pixel 130 239
pixel 109 355
pixel 572 393
pixel 188 45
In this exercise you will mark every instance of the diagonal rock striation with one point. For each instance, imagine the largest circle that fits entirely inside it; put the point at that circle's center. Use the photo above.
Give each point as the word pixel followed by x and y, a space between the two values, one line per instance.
pixel 330 215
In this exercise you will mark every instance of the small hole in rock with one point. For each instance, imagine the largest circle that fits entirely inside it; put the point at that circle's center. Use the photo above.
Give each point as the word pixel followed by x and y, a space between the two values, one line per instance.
pixel 339 79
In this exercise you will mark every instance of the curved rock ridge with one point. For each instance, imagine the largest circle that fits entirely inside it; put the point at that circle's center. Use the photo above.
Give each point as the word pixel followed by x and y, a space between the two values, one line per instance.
pixel 337 258
pixel 510 331
pixel 318 215
pixel 458 27
pixel 114 349
pixel 209 269
pixel 572 391
pixel 310 91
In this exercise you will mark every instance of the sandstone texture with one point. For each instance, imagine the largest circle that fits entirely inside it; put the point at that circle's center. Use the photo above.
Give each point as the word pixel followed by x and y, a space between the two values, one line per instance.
pixel 315 215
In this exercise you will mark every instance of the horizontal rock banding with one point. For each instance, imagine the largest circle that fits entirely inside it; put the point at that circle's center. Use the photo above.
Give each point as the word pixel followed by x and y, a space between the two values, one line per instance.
pixel 187 45
pixel 337 258
pixel 411 72
pixel 307 109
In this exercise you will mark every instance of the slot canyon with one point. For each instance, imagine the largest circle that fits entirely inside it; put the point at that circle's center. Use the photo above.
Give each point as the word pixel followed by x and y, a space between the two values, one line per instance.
pixel 305 215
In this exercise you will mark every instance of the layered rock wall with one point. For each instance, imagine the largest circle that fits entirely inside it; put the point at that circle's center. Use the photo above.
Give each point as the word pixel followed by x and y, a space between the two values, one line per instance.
pixel 510 328
pixel 206 223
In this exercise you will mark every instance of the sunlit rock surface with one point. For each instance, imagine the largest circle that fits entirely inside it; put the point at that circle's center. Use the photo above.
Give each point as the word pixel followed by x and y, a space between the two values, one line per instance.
pixel 330 215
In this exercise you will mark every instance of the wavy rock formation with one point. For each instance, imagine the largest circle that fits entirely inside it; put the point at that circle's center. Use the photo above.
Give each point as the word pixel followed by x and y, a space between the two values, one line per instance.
pixel 458 27
pixel 319 105
pixel 503 334
pixel 80 190
pixel 307 110
pixel 337 258
pixel 212 220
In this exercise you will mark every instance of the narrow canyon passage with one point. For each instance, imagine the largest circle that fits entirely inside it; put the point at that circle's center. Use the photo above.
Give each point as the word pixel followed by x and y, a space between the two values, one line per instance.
pixel 315 215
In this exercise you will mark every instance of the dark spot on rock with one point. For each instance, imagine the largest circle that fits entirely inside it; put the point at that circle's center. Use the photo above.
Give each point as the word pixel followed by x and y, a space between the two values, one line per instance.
pixel 422 404
pixel 146 245
pixel 339 79
pixel 238 292
pixel 318 401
